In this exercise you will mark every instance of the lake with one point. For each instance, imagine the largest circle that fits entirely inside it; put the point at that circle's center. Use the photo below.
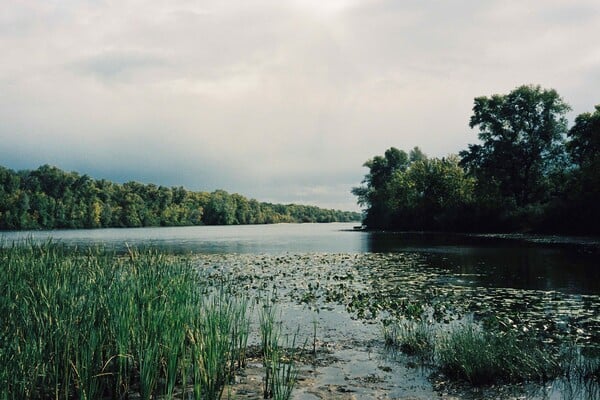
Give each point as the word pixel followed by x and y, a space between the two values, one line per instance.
pixel 560 264
pixel 342 283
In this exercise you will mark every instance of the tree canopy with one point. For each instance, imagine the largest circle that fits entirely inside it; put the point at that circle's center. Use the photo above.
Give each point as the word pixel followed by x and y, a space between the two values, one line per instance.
pixel 583 201
pixel 48 198
pixel 522 135
pixel 413 192
pixel 529 172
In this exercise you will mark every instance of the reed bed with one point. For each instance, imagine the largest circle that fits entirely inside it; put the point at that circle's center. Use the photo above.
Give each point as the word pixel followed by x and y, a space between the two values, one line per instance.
pixel 92 324
pixel 470 352
pixel 278 355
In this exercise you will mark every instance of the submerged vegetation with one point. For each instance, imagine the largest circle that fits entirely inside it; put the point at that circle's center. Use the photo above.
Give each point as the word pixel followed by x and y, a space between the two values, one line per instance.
pixel 278 359
pixel 529 173
pixel 410 336
pixel 479 336
pixel 49 198
pixel 466 351
pixel 481 357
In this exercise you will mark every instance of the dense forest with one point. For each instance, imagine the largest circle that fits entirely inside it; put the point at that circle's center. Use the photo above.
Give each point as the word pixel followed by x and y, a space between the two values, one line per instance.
pixel 49 198
pixel 528 173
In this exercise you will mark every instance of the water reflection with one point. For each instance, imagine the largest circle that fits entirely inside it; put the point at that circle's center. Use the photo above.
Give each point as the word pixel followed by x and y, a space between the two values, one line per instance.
pixel 471 260
pixel 496 262
pixel 243 239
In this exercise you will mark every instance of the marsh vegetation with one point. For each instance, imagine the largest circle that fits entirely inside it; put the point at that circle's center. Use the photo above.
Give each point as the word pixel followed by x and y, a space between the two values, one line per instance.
pixel 91 323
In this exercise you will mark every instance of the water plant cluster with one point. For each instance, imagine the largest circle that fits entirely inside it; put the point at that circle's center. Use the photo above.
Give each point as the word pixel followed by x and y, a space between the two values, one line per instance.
pixel 91 324
pixel 372 287
pixel 466 351
pixel 480 355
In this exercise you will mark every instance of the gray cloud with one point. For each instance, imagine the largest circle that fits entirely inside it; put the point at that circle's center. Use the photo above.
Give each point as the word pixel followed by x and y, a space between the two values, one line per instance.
pixel 111 65
pixel 278 100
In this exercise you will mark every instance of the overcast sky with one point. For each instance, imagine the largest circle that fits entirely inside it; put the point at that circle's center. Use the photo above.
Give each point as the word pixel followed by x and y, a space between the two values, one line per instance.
pixel 277 100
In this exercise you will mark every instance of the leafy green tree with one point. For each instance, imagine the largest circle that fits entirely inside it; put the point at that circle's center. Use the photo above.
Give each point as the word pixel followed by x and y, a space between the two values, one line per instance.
pixel 375 191
pixel 583 196
pixel 584 144
pixel 414 192
pixel 220 209
pixel 416 155
pixel 519 164
pixel 256 212
pixel 441 191
pixel 522 135
pixel 51 198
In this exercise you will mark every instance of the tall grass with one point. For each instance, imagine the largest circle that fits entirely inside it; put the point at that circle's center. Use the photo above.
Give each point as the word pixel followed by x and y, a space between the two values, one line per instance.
pixel 278 356
pixel 92 324
pixel 269 334
pixel 284 372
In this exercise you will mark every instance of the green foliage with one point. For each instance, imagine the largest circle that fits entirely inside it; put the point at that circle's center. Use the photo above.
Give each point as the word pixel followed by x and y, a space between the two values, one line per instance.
pixel 584 146
pixel 522 136
pixel 413 337
pixel 48 198
pixel 519 164
pixel 95 325
pixel 415 193
pixel 281 372
pixel 523 176
pixel 483 357
pixel 269 335
pixel 583 189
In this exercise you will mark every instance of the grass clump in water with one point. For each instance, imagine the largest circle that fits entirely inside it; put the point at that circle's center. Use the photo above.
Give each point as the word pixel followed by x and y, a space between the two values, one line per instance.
pixel 482 357
pixel 412 337
pixel 283 370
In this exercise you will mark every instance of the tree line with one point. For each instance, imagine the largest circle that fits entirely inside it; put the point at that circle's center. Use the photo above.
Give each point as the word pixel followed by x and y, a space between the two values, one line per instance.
pixel 49 198
pixel 529 172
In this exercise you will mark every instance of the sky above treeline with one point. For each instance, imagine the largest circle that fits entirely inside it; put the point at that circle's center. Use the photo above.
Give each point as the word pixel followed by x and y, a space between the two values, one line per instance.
pixel 279 100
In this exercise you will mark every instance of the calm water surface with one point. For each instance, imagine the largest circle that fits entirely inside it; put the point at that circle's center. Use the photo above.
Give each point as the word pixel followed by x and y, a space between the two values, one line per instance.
pixel 477 261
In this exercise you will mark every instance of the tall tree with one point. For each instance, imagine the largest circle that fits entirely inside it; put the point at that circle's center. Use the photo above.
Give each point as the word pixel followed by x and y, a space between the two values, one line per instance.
pixel 584 192
pixel 51 198
pixel 375 192
pixel 584 144
pixel 522 135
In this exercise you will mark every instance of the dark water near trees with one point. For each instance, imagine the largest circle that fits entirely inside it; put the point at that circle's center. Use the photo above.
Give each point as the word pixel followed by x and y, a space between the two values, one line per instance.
pixel 541 263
